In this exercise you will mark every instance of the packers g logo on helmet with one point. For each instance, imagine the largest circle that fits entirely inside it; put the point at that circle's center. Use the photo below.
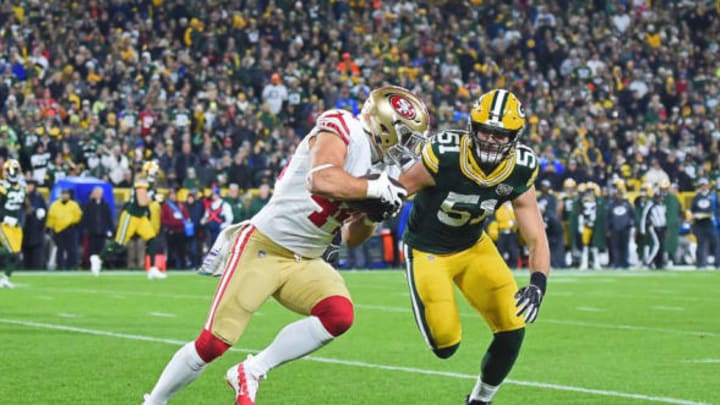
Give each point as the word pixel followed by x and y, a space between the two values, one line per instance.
pixel 496 120
pixel 12 171
pixel 397 122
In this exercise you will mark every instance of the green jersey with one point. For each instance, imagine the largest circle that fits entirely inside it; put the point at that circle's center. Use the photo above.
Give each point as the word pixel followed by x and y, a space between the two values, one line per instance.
pixel 133 207
pixel 451 216
pixel 13 198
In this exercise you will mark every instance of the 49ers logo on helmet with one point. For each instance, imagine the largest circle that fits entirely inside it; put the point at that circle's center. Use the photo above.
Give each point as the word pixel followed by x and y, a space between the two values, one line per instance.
pixel 403 106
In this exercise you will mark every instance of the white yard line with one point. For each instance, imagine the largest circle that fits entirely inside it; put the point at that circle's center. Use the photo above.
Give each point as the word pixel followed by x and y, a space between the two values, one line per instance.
pixel 703 361
pixel 630 327
pixel 520 273
pixel 568 322
pixel 68 315
pixel 414 370
pixel 162 314
pixel 666 308
pixel 397 310
pixel 591 309
pixel 122 294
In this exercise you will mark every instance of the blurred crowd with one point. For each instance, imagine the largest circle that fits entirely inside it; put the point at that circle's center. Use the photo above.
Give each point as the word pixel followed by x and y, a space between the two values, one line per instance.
pixel 220 92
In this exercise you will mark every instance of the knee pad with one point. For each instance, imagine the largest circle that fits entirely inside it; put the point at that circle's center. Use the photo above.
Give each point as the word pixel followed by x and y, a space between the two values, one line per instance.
pixel 209 347
pixel 335 313
pixel 446 352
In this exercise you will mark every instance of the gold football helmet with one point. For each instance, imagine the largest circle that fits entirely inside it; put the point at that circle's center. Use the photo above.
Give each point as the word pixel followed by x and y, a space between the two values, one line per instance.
pixel 150 170
pixel 397 122
pixel 663 188
pixel 12 171
pixel 582 188
pixel 496 120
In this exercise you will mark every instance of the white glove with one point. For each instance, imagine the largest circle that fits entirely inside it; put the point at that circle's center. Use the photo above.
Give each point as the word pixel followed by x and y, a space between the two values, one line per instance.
pixel 387 191
pixel 40 214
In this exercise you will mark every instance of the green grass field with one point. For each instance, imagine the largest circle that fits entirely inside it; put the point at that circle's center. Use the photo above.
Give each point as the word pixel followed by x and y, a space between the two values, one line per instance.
pixel 601 338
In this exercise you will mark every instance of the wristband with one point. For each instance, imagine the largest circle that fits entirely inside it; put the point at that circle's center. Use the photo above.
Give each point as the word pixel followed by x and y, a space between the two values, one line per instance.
pixel 374 189
pixel 539 280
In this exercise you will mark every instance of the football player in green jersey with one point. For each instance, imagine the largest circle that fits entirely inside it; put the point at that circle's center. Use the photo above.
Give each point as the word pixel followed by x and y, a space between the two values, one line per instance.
pixel 135 219
pixel 12 198
pixel 462 178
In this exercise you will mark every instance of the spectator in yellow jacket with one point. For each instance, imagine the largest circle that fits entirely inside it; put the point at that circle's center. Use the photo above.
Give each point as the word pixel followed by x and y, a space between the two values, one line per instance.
pixel 62 219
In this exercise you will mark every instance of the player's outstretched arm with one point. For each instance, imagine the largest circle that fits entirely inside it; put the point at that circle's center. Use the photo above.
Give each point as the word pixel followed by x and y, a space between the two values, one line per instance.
pixel 416 178
pixel 326 176
pixel 532 229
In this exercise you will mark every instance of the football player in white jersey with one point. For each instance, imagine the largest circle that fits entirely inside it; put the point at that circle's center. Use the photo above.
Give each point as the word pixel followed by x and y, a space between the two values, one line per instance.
pixel 278 252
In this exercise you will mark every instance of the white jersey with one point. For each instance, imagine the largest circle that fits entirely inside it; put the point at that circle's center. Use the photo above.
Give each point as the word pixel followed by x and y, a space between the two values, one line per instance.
pixel 302 222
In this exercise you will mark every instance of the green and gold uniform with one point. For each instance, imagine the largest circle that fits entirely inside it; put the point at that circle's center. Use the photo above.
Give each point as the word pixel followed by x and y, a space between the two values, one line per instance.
pixel 135 219
pixel 12 199
pixel 445 242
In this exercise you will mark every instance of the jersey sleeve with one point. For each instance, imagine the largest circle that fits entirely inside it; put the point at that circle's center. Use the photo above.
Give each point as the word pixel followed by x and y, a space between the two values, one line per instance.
pixel 526 170
pixel 429 157
pixel 334 121
pixel 441 151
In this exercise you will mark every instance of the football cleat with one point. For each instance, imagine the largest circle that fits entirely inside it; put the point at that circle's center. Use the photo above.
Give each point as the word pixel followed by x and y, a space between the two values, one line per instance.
pixel 243 383
pixel 154 273
pixel 147 401
pixel 5 282
pixel 475 401
pixel 95 265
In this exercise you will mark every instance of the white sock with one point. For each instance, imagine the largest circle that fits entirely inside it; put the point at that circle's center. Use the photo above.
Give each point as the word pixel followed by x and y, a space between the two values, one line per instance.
pixel 483 392
pixel 185 366
pixel 294 341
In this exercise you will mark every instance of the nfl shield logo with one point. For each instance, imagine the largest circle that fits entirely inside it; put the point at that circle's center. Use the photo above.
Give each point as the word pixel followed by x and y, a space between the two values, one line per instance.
pixel 504 189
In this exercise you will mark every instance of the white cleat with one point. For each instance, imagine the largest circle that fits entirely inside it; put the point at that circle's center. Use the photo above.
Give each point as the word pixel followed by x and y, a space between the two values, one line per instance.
pixel 5 282
pixel 95 265
pixel 147 401
pixel 243 383
pixel 154 273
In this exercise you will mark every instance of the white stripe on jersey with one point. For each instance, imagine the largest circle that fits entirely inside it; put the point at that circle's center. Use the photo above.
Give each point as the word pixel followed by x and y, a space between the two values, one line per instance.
pixel 658 215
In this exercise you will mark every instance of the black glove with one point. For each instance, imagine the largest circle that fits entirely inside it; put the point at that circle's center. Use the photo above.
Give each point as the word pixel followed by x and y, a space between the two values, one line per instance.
pixel 332 253
pixel 528 298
